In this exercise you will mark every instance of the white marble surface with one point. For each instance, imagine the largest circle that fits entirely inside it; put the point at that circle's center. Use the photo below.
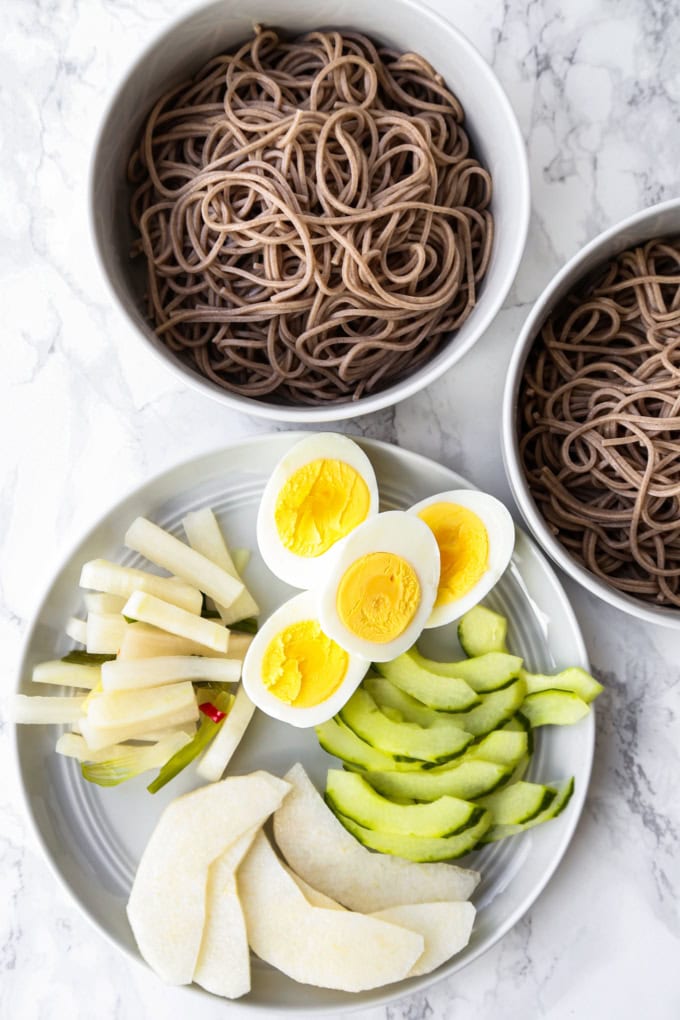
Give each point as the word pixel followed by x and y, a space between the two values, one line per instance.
pixel 85 415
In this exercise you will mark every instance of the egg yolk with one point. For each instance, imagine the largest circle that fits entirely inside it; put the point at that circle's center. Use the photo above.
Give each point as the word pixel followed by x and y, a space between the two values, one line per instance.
pixel 378 596
pixel 463 548
pixel 318 504
pixel 302 666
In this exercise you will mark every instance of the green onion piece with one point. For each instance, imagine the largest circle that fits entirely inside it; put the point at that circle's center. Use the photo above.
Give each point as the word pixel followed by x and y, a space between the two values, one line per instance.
pixel 248 626
pixel 111 773
pixel 206 731
pixel 128 762
pixel 86 658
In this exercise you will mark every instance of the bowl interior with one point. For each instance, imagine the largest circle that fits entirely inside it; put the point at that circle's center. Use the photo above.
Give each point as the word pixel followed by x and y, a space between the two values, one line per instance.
pixel 190 42
pixel 658 221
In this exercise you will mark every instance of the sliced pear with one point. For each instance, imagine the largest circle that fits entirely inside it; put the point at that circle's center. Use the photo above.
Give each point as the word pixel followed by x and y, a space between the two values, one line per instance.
pixel 167 905
pixel 327 948
pixel 445 927
pixel 313 896
pixel 223 965
pixel 332 861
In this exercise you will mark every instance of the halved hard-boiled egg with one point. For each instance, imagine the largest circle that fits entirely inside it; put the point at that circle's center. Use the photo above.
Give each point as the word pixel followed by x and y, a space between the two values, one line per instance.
pixel 294 672
pixel 321 490
pixel 475 535
pixel 381 587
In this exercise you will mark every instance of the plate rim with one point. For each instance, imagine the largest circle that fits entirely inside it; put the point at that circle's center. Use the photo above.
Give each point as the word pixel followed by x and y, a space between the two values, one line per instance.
pixel 417 984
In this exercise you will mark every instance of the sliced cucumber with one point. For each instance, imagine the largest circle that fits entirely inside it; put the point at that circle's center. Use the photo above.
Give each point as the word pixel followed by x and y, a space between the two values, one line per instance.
pixel 439 742
pixel 502 746
pixel 484 673
pixel 559 802
pixel 348 793
pixel 469 781
pixel 518 803
pixel 432 689
pixel 574 679
pixel 339 740
pixel 520 723
pixel 419 848
pixel 553 708
pixel 499 747
pixel 520 769
pixel 497 708
pixel 481 630
pixel 386 695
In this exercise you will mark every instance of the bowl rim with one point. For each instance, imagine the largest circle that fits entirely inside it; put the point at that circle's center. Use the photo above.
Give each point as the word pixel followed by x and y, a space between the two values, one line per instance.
pixel 400 390
pixel 660 615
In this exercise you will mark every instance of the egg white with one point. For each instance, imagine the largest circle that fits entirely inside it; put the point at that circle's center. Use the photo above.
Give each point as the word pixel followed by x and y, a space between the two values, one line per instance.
pixel 306 571
pixel 396 532
pixel 500 529
pixel 301 607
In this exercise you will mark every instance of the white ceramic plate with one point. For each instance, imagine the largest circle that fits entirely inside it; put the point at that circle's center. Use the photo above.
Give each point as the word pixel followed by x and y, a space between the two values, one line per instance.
pixel 94 837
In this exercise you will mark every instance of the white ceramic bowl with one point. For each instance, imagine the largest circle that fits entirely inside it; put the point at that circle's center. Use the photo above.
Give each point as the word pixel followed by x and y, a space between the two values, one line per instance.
pixel 404 24
pixel 659 220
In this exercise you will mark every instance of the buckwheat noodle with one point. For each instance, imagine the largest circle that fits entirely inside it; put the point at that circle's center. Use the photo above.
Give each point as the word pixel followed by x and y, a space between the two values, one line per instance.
pixel 599 418
pixel 311 215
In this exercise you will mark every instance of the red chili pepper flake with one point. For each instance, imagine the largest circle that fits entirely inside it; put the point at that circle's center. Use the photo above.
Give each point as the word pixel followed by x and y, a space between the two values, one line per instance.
pixel 212 712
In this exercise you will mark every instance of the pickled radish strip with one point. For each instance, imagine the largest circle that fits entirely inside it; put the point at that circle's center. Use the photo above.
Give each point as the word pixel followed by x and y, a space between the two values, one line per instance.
pixel 167 551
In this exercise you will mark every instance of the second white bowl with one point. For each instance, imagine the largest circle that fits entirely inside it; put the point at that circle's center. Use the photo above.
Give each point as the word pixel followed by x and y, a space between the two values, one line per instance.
pixel 657 221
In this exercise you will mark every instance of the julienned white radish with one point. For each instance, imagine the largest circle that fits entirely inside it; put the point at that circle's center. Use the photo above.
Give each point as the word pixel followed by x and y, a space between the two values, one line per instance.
pixel 167 551
pixel 142 641
pixel 153 708
pixel 105 632
pixel 219 752
pixel 66 674
pixel 97 736
pixel 73 745
pixel 167 669
pixel 27 709
pixel 113 708
pixel 153 736
pixel 239 644
pixel 240 558
pixel 204 535
pixel 105 576
pixel 102 602
pixel 77 630
pixel 150 609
